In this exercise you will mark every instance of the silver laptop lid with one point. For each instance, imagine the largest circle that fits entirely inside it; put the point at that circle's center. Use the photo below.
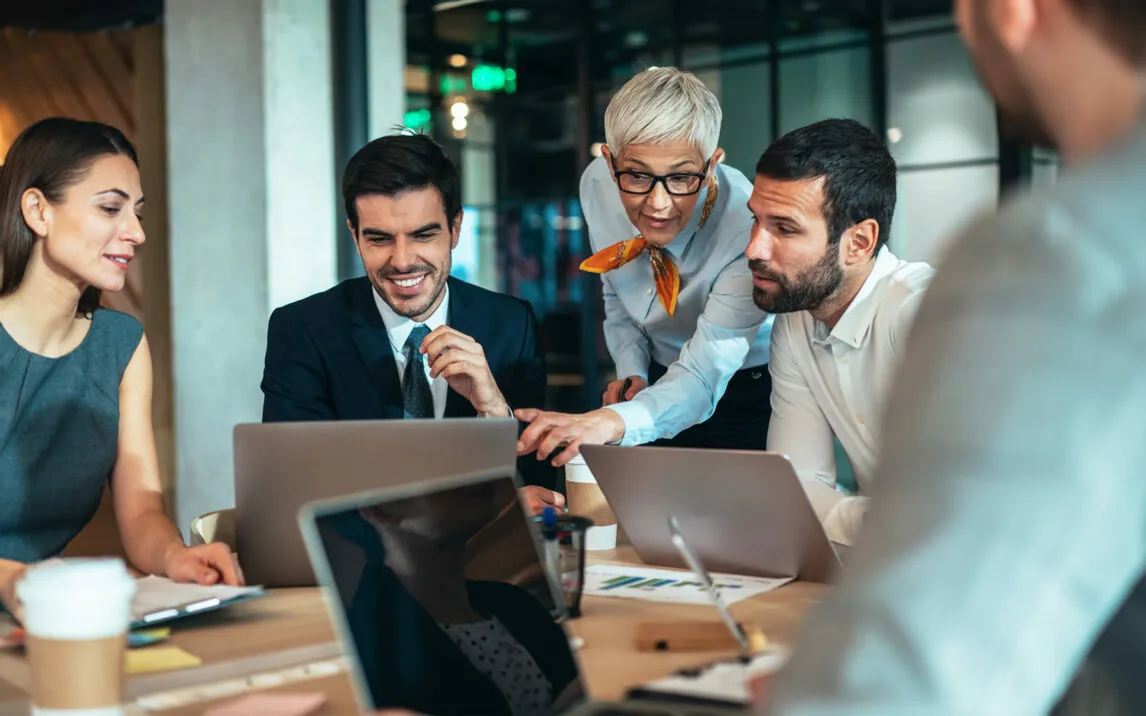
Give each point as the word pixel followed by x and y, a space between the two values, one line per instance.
pixel 281 466
pixel 745 511
pixel 440 598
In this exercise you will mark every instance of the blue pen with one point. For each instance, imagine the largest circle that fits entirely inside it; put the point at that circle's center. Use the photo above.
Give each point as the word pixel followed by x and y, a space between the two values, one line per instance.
pixel 550 546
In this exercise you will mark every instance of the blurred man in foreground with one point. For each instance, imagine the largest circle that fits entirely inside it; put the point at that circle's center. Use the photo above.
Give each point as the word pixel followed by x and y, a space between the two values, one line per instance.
pixel 1003 555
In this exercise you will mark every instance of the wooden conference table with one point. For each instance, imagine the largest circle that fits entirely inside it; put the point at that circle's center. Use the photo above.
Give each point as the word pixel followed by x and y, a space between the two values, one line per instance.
pixel 289 630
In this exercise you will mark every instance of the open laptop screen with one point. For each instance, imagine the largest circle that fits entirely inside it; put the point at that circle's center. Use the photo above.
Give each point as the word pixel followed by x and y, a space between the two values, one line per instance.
pixel 441 593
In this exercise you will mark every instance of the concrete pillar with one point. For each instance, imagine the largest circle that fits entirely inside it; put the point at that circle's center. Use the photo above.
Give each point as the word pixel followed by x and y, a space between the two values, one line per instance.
pixel 250 157
pixel 386 64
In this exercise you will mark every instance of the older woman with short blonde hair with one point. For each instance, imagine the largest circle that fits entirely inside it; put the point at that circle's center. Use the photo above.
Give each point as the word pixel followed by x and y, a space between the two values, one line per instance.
pixel 669 224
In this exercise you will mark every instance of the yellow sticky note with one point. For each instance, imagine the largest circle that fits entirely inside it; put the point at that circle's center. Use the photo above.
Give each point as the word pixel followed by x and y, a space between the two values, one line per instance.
pixel 159 658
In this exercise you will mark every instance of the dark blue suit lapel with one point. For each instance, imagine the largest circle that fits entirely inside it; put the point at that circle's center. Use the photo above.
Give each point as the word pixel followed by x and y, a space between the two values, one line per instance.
pixel 373 343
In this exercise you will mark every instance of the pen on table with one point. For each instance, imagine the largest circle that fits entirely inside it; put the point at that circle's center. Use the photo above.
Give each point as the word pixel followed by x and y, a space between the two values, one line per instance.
pixel 710 587
pixel 551 547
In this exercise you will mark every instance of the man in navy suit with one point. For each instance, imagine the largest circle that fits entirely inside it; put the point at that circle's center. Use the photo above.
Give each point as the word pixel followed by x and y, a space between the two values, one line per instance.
pixel 406 341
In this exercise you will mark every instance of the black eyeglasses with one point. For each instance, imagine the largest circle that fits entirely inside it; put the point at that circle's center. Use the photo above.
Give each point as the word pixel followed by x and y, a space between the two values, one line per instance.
pixel 677 184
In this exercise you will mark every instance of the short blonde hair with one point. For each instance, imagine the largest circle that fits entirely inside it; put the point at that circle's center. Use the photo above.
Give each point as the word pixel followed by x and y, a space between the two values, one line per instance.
pixel 662 105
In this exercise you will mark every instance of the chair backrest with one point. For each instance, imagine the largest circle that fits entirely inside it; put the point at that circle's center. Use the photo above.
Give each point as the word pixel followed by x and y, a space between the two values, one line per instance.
pixel 217 526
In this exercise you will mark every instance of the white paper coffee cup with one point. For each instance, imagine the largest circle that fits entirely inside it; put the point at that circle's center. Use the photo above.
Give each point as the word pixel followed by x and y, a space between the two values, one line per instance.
pixel 586 499
pixel 76 616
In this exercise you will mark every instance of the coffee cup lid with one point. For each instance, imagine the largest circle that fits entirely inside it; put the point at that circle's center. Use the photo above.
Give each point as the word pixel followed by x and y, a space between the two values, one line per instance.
pixel 83 573
pixel 81 598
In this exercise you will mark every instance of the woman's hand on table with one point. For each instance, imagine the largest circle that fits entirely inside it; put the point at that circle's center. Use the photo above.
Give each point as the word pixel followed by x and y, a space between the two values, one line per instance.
pixel 206 564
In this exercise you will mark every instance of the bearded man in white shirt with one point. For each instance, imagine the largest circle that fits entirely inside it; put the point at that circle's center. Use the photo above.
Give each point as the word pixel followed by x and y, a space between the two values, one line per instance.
pixel 823 201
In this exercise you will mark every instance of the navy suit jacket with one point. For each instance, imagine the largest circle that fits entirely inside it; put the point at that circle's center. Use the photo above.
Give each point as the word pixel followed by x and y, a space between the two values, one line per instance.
pixel 329 358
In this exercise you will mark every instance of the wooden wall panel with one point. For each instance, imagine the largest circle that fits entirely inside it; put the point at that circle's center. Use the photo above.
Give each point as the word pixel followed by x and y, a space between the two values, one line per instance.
pixel 92 76
pixel 83 76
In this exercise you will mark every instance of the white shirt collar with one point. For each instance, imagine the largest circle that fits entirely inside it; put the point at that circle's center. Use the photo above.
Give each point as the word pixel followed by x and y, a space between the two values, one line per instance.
pixel 399 327
pixel 853 326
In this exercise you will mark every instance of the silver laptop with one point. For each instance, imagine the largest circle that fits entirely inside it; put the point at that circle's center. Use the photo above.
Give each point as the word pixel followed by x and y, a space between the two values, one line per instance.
pixel 281 466
pixel 440 600
pixel 744 510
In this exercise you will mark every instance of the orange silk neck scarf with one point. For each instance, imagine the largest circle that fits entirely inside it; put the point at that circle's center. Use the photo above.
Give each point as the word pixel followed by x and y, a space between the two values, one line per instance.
pixel 665 273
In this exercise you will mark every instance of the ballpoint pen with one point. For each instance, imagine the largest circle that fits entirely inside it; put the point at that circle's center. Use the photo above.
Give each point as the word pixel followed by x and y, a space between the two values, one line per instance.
pixel 713 593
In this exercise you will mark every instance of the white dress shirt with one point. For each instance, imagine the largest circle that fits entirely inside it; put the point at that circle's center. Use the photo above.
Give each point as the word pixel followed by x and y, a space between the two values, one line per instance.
pixel 1005 546
pixel 833 384
pixel 399 328
pixel 716 329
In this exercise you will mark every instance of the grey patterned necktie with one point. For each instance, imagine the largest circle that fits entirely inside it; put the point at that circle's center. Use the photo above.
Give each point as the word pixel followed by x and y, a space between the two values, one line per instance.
pixel 417 400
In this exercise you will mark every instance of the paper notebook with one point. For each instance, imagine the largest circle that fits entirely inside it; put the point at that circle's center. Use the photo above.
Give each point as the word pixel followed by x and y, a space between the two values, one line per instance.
pixel 158 599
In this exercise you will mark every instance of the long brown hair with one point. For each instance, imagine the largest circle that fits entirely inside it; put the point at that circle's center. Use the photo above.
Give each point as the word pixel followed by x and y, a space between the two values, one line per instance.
pixel 51 155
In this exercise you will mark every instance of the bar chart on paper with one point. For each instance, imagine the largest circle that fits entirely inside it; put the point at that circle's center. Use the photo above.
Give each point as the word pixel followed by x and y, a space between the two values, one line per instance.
pixel 669 585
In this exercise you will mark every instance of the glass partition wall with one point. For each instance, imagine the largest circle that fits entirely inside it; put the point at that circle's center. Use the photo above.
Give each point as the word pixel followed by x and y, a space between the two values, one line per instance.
pixel 517 90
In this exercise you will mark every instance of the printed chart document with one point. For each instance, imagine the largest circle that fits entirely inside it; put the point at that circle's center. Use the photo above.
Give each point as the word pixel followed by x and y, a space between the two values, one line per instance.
pixel 158 599
pixel 670 585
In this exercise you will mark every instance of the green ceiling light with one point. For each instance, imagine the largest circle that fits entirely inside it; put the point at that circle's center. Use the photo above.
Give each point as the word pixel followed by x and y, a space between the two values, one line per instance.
pixel 493 16
pixel 491 78
pixel 417 119
pixel 488 78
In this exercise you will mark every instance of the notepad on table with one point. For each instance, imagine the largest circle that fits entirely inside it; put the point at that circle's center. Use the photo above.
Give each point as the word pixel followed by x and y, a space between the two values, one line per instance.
pixel 158 599
pixel 158 658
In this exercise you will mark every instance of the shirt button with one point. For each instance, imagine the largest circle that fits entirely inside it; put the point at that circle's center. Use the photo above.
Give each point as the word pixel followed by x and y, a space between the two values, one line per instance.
pixel 844 359
pixel 859 420
pixel 649 292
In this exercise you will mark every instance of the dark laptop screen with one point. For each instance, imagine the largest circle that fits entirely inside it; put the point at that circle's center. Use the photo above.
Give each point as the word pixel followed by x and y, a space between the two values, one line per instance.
pixel 447 604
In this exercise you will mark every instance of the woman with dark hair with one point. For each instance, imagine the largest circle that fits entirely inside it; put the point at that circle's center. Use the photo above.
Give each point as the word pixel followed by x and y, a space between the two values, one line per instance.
pixel 75 380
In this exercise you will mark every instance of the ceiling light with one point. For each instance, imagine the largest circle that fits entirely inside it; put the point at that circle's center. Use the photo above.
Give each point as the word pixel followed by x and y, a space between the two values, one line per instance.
pixel 458 60
pixel 894 135
pixel 595 149
pixel 459 123
pixel 459 109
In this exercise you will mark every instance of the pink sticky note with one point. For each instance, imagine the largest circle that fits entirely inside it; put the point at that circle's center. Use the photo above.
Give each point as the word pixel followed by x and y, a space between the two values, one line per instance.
pixel 271 705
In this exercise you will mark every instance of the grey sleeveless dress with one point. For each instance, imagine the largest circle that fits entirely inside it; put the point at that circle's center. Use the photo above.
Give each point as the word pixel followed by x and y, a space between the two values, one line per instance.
pixel 59 428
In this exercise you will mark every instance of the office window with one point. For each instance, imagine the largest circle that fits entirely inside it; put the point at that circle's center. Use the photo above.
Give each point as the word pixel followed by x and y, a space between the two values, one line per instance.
pixel 935 205
pixel 746 98
pixel 827 84
pixel 938 111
